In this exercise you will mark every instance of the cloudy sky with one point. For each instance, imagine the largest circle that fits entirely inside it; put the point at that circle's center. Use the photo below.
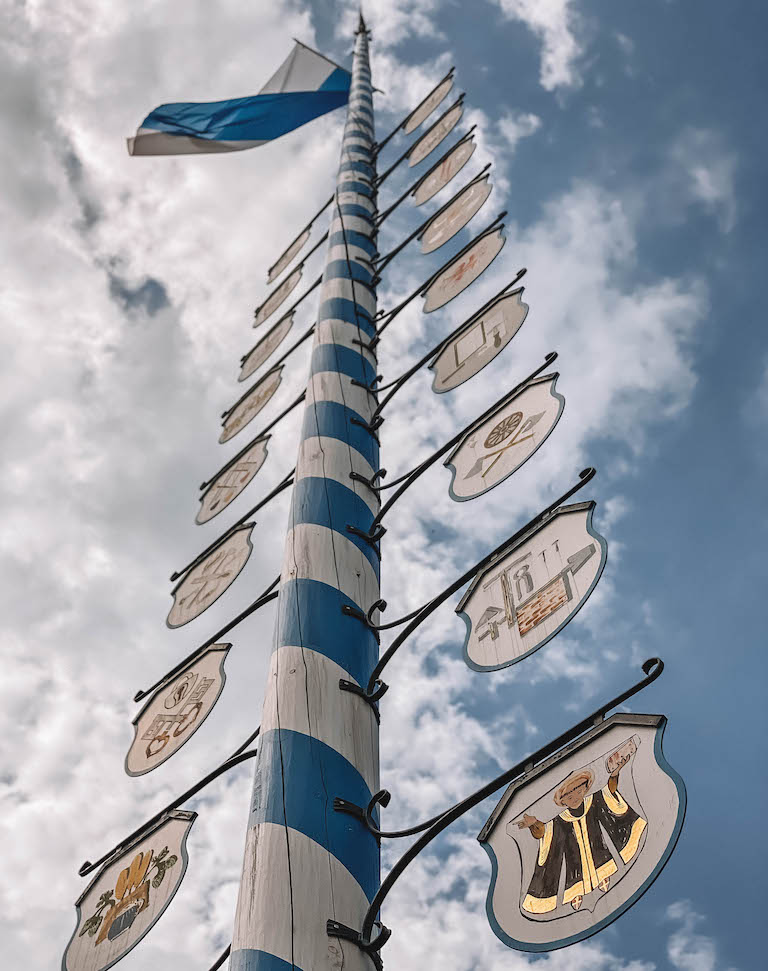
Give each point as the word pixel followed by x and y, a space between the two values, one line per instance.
pixel 625 140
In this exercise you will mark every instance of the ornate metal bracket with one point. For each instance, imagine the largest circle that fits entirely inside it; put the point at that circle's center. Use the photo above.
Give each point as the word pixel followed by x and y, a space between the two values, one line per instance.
pixel 370 427
pixel 371 948
pixel 652 668
pixel 370 697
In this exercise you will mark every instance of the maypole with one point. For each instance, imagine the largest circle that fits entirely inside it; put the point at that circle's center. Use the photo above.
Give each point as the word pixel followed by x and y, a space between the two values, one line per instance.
pixel 304 862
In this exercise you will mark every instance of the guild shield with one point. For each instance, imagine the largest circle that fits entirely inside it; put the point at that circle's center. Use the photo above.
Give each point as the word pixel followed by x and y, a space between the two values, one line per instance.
pixel 478 342
pixel 427 106
pixel 246 408
pixel 277 297
pixel 176 710
pixel 530 591
pixel 491 451
pixel 432 138
pixel 232 479
pixel 449 166
pixel 288 255
pixel 205 582
pixel 455 215
pixel 463 269
pixel 580 838
pixel 266 346
pixel 129 894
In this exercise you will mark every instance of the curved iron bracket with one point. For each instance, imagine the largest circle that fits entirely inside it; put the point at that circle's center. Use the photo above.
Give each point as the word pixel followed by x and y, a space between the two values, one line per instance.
pixel 370 697
pixel 371 948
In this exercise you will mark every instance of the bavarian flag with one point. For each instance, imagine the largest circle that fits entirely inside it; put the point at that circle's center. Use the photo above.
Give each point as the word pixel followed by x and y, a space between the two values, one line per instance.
pixel 304 87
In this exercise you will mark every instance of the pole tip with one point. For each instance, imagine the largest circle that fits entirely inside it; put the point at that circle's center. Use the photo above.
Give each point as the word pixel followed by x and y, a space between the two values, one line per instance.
pixel 361 28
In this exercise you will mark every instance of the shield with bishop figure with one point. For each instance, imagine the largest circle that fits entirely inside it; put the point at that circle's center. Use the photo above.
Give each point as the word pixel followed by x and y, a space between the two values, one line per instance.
pixel 579 839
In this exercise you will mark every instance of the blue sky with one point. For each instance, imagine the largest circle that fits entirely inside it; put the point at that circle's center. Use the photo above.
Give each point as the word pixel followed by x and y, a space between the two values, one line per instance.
pixel 626 140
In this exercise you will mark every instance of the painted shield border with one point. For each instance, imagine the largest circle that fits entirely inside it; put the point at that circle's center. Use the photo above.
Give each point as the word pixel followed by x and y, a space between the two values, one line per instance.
pixel 603 544
pixel 540 379
pixel 424 292
pixel 628 718
pixel 470 323
pixel 171 814
pixel 228 465
pixel 222 648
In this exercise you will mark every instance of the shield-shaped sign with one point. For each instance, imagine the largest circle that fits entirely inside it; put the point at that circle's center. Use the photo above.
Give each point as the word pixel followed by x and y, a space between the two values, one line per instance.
pixel 277 296
pixel 208 579
pixel 579 839
pixel 441 129
pixel 530 591
pixel 491 451
pixel 449 166
pixel 479 341
pixel 232 479
pixel 251 403
pixel 176 710
pixel 266 346
pixel 455 215
pixel 129 894
pixel 428 105
pixel 463 269
pixel 288 255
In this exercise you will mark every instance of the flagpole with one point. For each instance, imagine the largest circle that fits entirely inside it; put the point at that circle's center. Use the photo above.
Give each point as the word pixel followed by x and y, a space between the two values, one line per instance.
pixel 304 862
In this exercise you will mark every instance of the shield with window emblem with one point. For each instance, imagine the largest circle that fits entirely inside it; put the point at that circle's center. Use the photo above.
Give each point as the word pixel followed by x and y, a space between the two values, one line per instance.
pixel 207 580
pixel 129 894
pixel 579 839
pixel 491 451
pixel 176 710
pixel 530 591
pixel 478 342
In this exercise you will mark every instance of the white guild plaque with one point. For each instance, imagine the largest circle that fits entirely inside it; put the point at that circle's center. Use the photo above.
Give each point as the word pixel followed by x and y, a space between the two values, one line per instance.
pixel 580 838
pixel 231 481
pixel 432 138
pixel 520 601
pixel 266 346
pixel 428 105
pixel 495 449
pixel 455 216
pixel 277 296
pixel 246 409
pixel 479 342
pixel 464 270
pixel 206 582
pixel 288 255
pixel 442 174
pixel 176 710
pixel 129 895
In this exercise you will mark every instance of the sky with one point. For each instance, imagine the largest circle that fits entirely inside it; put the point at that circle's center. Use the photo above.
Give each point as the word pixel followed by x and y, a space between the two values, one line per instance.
pixel 625 140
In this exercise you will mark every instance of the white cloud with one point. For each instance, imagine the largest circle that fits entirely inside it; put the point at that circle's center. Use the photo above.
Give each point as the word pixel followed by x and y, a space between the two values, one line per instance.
pixel 556 25
pixel 392 21
pixel 515 125
pixel 687 949
pixel 709 169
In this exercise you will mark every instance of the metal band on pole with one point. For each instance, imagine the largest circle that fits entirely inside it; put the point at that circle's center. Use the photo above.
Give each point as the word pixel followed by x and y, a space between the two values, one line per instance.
pixel 303 861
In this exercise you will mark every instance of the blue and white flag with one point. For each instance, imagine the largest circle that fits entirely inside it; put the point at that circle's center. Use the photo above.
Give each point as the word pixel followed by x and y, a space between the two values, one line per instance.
pixel 304 87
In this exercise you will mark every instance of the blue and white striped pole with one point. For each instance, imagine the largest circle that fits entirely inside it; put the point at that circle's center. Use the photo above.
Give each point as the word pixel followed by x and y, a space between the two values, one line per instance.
pixel 304 862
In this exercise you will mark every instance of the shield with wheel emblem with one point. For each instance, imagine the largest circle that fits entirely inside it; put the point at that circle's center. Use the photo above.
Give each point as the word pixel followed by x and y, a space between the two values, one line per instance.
pixel 492 450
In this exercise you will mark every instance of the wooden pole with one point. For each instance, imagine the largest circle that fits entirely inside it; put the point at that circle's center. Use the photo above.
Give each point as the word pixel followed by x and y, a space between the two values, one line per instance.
pixel 304 862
